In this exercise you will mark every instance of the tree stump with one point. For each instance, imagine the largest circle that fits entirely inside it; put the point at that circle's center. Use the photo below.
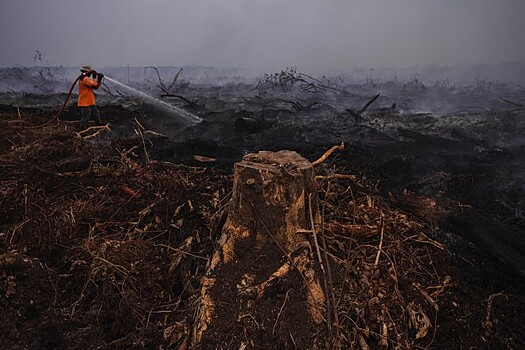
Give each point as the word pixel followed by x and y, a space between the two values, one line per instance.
pixel 262 273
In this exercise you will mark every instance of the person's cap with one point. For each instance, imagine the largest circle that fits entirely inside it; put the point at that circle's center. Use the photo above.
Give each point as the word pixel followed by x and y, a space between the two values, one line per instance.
pixel 86 68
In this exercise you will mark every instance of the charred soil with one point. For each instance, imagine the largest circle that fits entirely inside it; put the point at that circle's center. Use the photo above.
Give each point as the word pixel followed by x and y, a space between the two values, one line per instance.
pixel 104 240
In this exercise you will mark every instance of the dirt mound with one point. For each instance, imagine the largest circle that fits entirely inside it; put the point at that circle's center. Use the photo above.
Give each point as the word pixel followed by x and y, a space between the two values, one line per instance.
pixel 103 247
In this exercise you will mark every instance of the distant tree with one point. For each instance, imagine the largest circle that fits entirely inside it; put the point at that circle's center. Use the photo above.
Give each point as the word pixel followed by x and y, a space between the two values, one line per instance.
pixel 177 84
pixel 289 78
pixel 46 82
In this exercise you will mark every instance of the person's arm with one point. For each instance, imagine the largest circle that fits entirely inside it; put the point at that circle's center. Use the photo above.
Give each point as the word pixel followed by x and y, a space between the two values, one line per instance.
pixel 95 84
pixel 99 79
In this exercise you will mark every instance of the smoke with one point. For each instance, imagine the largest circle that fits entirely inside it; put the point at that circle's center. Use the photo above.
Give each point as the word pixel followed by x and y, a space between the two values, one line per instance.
pixel 263 34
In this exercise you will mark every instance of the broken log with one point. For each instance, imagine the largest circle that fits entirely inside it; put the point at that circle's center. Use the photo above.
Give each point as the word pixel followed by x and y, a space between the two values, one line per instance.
pixel 372 100
pixel 264 263
pixel 358 114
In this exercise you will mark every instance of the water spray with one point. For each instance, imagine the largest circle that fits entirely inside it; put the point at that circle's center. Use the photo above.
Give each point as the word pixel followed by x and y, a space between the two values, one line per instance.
pixel 187 117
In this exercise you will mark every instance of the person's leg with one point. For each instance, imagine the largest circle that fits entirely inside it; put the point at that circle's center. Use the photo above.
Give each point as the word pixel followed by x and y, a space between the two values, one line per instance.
pixel 85 114
pixel 96 115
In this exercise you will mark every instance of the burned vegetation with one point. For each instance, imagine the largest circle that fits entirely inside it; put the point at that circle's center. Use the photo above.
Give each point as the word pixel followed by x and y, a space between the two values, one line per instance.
pixel 126 237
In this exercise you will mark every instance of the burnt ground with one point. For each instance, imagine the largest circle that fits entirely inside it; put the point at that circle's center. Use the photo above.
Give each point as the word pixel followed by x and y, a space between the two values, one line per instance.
pixel 104 240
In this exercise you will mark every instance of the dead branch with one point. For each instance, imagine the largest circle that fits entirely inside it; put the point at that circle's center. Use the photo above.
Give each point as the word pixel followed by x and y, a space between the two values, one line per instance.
pixel 139 132
pixel 175 78
pixel 328 153
pixel 204 159
pixel 98 129
pixel 487 324
pixel 327 87
pixel 167 91
pixel 179 97
pixel 336 339
pixel 296 105
pixel 154 133
pixel 290 77
pixel 280 310
pixel 161 83
pixel 358 114
pixel 365 107
pixel 336 176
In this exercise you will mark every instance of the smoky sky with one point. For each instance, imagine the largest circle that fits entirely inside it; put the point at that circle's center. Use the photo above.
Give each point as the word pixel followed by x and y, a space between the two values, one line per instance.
pixel 323 34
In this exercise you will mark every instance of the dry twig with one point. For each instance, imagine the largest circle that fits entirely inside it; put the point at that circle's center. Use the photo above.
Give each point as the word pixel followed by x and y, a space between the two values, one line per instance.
pixel 487 323
pixel 380 248
pixel 280 310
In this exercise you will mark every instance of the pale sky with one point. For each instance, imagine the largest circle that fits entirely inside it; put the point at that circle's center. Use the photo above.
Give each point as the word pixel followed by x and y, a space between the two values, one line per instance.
pixel 311 34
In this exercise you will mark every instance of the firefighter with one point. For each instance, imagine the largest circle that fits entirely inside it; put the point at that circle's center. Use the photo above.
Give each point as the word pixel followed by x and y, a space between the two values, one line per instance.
pixel 89 81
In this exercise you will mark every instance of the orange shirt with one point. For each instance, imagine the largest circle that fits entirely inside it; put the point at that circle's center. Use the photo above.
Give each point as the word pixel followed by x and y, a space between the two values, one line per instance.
pixel 86 96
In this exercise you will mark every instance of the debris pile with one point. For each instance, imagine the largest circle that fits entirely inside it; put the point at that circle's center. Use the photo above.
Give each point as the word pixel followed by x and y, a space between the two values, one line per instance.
pixel 103 247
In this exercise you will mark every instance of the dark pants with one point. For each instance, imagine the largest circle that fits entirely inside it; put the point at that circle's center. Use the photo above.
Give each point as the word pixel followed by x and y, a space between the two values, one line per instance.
pixel 88 113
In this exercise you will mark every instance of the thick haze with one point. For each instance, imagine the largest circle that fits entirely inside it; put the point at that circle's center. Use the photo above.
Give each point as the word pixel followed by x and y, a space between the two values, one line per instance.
pixel 262 34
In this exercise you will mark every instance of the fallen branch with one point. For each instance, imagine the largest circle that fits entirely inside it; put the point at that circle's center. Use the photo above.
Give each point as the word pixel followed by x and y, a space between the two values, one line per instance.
pixel 154 133
pixel 204 159
pixel 488 323
pixel 336 338
pixel 14 121
pixel 296 105
pixel 328 153
pixel 98 129
pixel 179 97
pixel 139 132
pixel 167 89
pixel 280 310
pixel 336 176
pixel 372 100
pixel 357 114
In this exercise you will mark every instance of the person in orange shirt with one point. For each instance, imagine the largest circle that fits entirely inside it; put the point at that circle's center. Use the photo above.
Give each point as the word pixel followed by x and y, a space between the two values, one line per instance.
pixel 86 95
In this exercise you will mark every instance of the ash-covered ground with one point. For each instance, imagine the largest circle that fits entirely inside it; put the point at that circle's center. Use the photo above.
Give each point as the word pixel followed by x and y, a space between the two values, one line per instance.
pixel 449 154
pixel 461 141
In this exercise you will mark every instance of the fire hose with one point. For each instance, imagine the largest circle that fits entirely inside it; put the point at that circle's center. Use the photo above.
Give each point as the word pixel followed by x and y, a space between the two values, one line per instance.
pixel 65 102
pixel 61 109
